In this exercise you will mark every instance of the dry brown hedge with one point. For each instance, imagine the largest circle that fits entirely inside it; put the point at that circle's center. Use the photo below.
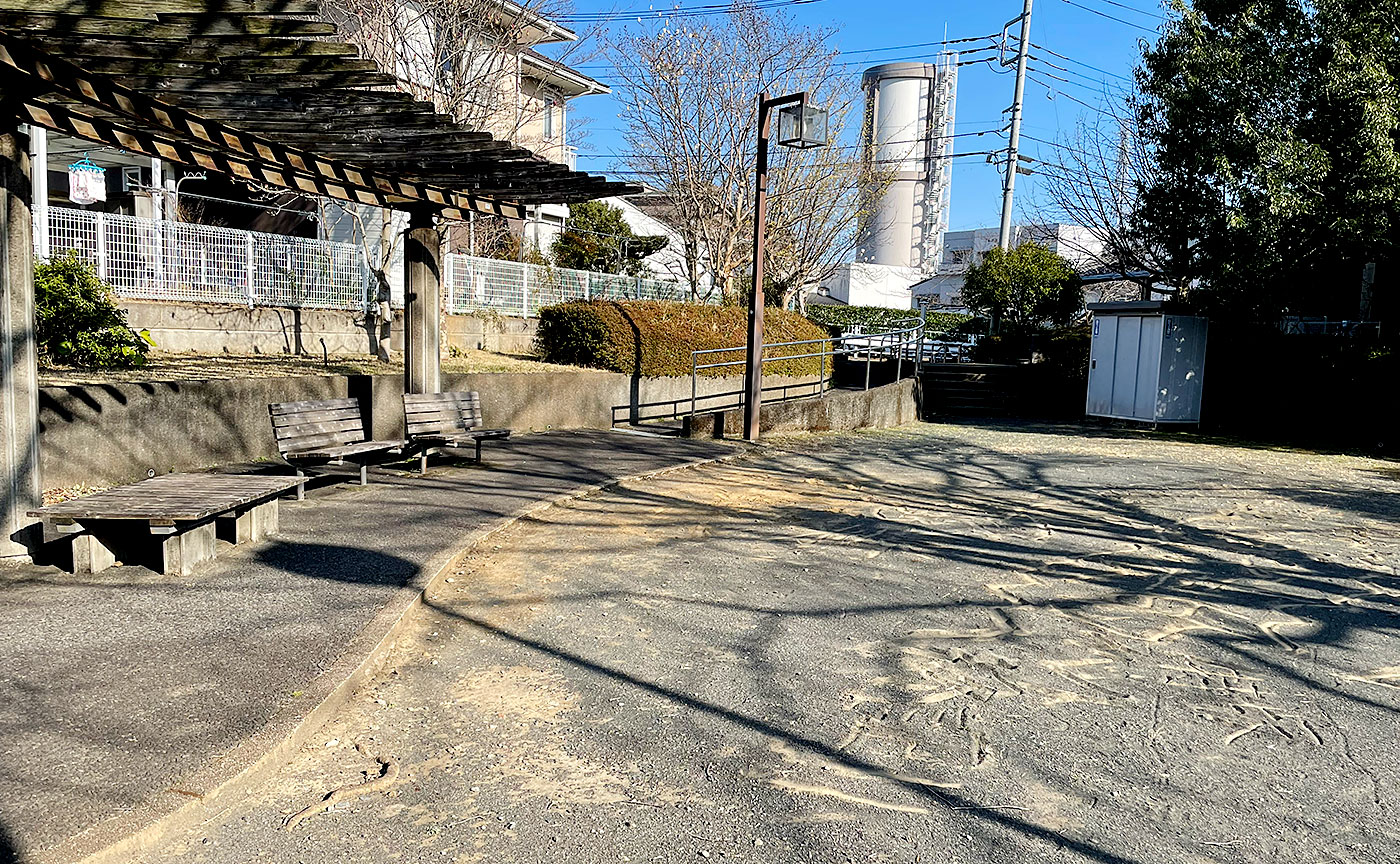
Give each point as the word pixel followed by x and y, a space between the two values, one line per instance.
pixel 654 338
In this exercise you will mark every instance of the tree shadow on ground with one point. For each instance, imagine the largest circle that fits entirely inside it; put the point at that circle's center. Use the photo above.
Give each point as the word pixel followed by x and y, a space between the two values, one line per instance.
pixel 938 797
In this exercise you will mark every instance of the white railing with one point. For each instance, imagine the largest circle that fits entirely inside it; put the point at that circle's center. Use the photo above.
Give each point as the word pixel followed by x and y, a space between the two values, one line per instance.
pixel 157 260
pixel 512 288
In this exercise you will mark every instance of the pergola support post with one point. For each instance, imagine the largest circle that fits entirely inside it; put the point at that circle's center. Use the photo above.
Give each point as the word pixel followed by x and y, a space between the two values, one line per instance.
pixel 422 361
pixel 20 487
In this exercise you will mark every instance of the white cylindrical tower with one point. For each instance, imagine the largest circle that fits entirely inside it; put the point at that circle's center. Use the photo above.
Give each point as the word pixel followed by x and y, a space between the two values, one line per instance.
pixel 908 121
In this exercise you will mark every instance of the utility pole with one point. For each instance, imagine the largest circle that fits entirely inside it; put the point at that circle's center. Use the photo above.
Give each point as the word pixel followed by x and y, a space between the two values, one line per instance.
pixel 1013 157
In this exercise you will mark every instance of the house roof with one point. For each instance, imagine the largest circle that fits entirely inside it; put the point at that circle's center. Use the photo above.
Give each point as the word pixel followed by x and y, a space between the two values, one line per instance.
pixel 567 80
pixel 262 91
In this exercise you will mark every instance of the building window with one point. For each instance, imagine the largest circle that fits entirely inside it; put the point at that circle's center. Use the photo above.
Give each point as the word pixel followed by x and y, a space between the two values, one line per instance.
pixel 549 126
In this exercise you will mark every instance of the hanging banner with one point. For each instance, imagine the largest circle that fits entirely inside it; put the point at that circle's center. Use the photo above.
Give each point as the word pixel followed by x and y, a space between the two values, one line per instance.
pixel 87 182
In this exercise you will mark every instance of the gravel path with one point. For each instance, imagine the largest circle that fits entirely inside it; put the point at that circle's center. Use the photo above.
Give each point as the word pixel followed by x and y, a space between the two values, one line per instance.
pixel 944 644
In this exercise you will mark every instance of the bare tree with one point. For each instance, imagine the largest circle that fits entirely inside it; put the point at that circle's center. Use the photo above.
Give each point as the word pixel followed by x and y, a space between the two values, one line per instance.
pixel 1094 181
pixel 690 95
pixel 464 56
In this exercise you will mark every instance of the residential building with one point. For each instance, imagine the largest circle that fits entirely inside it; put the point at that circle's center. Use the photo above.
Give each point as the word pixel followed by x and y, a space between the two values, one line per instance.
pixel 963 249
pixel 650 214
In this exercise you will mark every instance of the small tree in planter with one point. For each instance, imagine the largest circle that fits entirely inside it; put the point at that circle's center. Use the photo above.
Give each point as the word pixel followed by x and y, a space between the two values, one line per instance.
pixel 77 320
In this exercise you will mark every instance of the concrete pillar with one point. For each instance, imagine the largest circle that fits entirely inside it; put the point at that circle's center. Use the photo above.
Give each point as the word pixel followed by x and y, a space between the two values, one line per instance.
pixel 422 264
pixel 20 487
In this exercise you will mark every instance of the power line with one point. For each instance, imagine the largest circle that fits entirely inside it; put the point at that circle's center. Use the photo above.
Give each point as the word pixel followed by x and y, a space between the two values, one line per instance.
pixel 1081 63
pixel 964 40
pixel 1055 91
pixel 1097 90
pixel 1149 14
pixel 1109 17
pixel 832 146
pixel 677 12
pixel 857 163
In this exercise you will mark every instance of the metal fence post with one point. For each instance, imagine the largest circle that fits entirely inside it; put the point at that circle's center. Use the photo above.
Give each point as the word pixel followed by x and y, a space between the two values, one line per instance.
pixel 869 353
pixel 250 267
pixel 588 286
pixel 692 384
pixel 100 227
pixel 524 290
pixel 899 356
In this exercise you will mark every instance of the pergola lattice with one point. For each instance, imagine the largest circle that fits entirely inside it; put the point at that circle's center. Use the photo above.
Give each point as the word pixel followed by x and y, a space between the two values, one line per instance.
pixel 259 90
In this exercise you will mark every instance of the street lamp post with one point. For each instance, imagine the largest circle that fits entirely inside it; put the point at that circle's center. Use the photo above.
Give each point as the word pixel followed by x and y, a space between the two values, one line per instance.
pixel 801 126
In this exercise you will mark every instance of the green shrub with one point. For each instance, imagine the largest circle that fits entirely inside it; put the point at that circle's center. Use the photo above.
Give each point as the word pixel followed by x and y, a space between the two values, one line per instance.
pixel 874 319
pixel 77 321
pixel 654 339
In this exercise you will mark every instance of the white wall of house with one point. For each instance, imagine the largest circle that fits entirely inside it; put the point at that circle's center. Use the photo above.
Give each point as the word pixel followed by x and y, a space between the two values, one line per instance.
pixel 669 263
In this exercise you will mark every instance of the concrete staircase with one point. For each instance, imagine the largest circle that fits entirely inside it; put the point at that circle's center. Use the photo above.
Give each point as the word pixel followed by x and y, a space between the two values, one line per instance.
pixel 970 389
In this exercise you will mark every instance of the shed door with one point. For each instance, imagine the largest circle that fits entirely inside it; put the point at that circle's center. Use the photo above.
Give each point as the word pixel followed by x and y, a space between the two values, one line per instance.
pixel 1125 369
pixel 1101 348
pixel 1148 359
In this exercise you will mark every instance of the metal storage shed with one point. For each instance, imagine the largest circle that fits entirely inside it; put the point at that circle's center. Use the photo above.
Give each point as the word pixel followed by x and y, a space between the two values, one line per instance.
pixel 1145 364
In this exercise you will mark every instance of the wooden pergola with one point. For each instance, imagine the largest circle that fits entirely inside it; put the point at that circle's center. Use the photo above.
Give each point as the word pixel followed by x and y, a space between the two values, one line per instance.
pixel 261 91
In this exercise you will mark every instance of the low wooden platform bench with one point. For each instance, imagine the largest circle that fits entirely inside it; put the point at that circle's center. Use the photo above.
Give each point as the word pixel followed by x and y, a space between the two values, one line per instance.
pixel 172 522
pixel 445 421
pixel 327 432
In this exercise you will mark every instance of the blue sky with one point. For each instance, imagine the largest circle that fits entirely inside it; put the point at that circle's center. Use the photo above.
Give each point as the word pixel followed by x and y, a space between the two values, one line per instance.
pixel 1078 29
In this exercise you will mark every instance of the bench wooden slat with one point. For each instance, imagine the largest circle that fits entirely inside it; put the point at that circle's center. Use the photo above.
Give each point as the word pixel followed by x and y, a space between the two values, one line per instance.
pixel 338 452
pixel 316 405
pixel 292 446
pixel 172 497
pixel 439 414
pixel 292 419
pixel 354 427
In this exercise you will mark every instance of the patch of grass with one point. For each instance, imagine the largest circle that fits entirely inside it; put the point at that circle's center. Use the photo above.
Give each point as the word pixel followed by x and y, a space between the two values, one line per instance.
pixel 212 367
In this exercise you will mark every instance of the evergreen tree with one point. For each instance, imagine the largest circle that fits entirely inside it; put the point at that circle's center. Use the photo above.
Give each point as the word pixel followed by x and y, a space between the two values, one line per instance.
pixel 597 238
pixel 1273 124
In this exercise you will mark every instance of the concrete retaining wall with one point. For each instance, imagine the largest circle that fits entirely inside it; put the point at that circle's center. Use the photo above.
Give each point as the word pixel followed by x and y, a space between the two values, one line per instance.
pixel 209 328
pixel 838 411
pixel 115 433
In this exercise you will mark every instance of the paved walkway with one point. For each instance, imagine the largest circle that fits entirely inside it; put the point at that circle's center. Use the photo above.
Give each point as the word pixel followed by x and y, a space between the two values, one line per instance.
pixel 942 644
pixel 125 694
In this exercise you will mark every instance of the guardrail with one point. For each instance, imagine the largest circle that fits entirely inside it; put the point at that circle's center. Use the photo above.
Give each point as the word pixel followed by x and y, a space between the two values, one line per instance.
pixel 904 341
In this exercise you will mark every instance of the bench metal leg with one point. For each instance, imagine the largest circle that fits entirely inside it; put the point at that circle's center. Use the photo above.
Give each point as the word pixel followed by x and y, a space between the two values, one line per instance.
pixel 364 473
pixel 91 555
pixel 478 451
pixel 301 487
pixel 423 461
pixel 182 552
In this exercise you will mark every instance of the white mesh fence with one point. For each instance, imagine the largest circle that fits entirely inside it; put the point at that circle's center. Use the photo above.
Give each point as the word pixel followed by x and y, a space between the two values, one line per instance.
pixel 149 259
pixel 513 288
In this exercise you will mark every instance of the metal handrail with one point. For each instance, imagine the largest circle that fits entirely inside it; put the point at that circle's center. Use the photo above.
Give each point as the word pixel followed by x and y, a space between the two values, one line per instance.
pixel 889 341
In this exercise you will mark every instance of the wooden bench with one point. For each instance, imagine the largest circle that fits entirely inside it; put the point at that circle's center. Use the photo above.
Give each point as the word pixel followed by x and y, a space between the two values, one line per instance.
pixel 184 514
pixel 445 421
pixel 326 432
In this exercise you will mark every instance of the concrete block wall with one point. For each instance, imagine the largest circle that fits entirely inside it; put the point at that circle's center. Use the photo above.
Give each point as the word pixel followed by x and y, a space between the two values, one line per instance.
pixel 880 407
pixel 116 433
pixel 210 328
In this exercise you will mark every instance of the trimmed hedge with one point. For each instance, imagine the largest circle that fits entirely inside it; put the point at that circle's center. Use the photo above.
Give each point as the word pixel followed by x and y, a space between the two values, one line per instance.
pixel 874 319
pixel 654 338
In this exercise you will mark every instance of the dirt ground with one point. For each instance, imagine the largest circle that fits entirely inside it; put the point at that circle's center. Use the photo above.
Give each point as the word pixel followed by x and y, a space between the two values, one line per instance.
pixel 162 366
pixel 935 644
